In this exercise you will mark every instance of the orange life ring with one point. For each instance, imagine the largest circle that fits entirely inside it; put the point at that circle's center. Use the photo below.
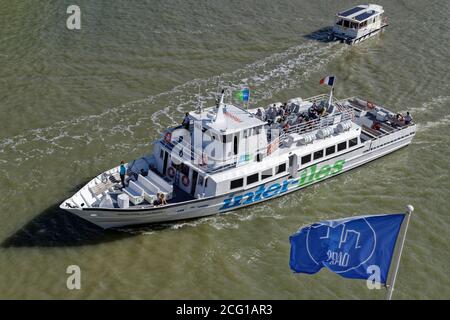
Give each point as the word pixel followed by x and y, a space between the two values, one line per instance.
pixel 168 137
pixel 171 172
pixel 185 180
pixel 370 105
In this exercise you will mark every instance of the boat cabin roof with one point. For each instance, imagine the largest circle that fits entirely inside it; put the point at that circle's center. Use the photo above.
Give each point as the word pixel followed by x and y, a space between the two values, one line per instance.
pixel 229 120
pixel 361 13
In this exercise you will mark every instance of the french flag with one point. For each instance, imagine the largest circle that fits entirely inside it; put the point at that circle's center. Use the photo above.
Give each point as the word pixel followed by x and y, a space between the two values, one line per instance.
pixel 328 80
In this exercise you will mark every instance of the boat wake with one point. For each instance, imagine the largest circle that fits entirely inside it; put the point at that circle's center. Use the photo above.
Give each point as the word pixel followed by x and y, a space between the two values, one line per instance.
pixel 123 131
pixel 266 77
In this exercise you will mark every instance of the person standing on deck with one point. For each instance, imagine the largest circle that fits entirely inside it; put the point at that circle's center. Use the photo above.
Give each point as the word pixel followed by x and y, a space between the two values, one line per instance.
pixel 408 118
pixel 122 172
pixel 186 121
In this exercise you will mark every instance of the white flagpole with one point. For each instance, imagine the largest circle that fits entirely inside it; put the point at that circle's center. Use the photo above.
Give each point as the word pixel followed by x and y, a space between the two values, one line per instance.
pixel 390 285
pixel 330 99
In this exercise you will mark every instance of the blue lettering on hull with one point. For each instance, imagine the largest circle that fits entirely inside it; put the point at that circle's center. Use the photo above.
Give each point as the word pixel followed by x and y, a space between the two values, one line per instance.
pixel 306 177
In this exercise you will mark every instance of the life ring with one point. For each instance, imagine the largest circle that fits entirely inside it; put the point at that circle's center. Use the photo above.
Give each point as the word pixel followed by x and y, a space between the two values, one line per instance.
pixel 185 180
pixel 171 172
pixel 370 105
pixel 168 137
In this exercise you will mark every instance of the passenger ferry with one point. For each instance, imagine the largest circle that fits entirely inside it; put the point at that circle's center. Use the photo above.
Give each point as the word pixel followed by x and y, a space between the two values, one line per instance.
pixel 359 23
pixel 227 157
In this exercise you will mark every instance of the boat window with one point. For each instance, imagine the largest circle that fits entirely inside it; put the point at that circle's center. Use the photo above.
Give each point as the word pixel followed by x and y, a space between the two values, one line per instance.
pixel 352 142
pixel 266 174
pixel 306 159
pixel 161 153
pixel 318 154
pixel 252 178
pixel 342 146
pixel 330 150
pixel 200 180
pixel 281 168
pixel 346 23
pixel 339 23
pixel 226 138
pixel 236 183
pixel 235 147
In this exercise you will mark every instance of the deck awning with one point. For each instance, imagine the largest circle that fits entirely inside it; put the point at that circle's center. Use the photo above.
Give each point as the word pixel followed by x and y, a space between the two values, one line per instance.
pixel 351 11
pixel 365 15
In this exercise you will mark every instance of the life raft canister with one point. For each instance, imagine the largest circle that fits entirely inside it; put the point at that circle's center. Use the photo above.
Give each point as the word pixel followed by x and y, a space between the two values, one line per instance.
pixel 185 180
pixel 168 137
pixel 171 172
pixel 370 105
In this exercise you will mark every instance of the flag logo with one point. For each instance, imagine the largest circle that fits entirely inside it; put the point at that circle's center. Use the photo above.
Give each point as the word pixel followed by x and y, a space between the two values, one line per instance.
pixel 243 95
pixel 348 246
pixel 328 80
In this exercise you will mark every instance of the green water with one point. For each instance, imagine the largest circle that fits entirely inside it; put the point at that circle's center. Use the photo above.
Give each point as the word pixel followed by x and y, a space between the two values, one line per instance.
pixel 73 103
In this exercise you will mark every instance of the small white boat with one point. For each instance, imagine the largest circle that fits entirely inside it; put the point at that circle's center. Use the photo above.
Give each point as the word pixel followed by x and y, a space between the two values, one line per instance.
pixel 359 23
pixel 227 157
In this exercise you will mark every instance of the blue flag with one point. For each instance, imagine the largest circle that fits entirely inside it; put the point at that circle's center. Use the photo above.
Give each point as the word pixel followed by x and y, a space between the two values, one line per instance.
pixel 347 246
pixel 244 94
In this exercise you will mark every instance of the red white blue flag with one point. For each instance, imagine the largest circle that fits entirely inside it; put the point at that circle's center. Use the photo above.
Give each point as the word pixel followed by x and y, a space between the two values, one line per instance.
pixel 328 80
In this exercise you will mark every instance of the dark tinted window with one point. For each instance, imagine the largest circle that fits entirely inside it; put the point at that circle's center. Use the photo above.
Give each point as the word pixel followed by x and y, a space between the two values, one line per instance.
pixel 306 159
pixel 252 178
pixel 281 168
pixel 237 183
pixel 352 142
pixel 266 174
pixel 342 146
pixel 330 150
pixel 318 154
pixel 184 169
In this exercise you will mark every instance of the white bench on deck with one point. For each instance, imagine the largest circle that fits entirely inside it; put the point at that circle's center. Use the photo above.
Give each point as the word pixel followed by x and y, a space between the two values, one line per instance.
pixel 134 192
pixel 162 184
pixel 150 190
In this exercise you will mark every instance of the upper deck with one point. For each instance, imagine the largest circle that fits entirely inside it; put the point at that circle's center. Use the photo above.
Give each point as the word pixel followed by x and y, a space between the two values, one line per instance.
pixel 361 13
pixel 270 133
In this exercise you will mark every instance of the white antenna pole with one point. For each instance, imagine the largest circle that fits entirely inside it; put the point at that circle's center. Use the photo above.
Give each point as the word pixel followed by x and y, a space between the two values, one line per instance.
pixel 330 100
pixel 396 262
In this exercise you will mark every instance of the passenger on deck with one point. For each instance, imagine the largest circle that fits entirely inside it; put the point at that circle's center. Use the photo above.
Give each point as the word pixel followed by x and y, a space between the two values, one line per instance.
pixel 186 121
pixel 408 118
pixel 400 117
pixel 122 173
pixel 376 125
pixel 144 173
pixel 320 110
pixel 259 114
pixel 312 113
pixel 160 199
